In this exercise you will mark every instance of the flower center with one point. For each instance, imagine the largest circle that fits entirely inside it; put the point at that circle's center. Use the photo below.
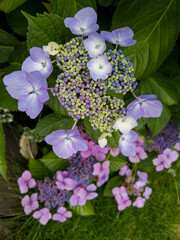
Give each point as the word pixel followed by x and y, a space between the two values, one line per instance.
pixel 33 91
pixel 43 64
pixel 82 29
pixel 117 42
pixel 68 137
pixel 97 46
pixel 100 66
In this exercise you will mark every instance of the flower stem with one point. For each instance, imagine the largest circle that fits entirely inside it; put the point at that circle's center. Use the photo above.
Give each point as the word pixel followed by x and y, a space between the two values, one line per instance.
pixel 108 156
pixel 116 47
pixel 74 124
pixel 177 192
pixel 53 61
pixel 133 94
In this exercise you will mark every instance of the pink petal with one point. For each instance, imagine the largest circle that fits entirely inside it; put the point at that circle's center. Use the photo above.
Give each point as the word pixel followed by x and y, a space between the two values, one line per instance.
pixel 68 214
pixel 27 209
pixel 73 200
pixel 61 210
pixel 59 217
pixel 91 187
pixel 23 188
pixel 26 175
pixel 25 201
pixel 34 205
pixel 37 214
pixel 97 169
pixel 81 201
pixel 31 183
pixel 91 195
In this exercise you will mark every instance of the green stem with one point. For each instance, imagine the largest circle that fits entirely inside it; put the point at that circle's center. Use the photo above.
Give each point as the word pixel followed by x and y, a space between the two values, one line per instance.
pixel 133 94
pixel 74 124
pixel 108 156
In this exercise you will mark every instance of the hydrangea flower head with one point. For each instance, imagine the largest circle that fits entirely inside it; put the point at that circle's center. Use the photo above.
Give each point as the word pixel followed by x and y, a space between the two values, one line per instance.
pixel 94 44
pixel 121 36
pixel 62 215
pixel 30 89
pixel 99 67
pixel 26 181
pixel 83 23
pixel 38 61
pixel 66 142
pixel 43 215
pixel 145 106
pixel 126 145
pixel 30 203
pixel 125 124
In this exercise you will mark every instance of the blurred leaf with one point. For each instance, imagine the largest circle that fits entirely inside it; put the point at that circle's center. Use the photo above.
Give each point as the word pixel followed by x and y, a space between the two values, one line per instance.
pixel 52 122
pixel 85 210
pixel 55 105
pixel 156 125
pixel 54 163
pixel 105 3
pixel 113 141
pixel 19 54
pixel 46 28
pixel 161 86
pixel 7 43
pixel 68 8
pixel 3 165
pixel 113 182
pixel 116 163
pixel 175 80
pixel 94 134
pixel 156 27
pixel 9 5
pixel 38 169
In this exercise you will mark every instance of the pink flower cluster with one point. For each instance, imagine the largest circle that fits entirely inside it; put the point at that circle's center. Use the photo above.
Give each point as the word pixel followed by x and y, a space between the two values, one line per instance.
pixel 121 197
pixel 165 159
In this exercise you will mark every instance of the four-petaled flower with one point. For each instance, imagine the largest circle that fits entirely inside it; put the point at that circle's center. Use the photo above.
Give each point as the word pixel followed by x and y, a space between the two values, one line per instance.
pixel 146 106
pixel 43 215
pixel 126 145
pixel 125 124
pixel 101 172
pixel 38 61
pixel 64 182
pixel 95 45
pixel 125 171
pixel 26 181
pixel 52 48
pixel 30 203
pixel 121 36
pixel 83 23
pixel 30 89
pixel 140 154
pixel 62 215
pixel 66 142
pixel 99 67
pixel 139 202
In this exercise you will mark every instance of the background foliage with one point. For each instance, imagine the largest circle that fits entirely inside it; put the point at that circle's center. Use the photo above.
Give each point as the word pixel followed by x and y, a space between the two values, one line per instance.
pixel 155 57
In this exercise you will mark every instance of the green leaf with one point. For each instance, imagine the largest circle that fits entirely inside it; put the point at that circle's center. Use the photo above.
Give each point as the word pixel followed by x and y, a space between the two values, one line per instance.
pixel 52 122
pixel 94 134
pixel 9 5
pixel 113 182
pixel 7 43
pixel 38 169
pixel 161 86
pixel 113 141
pixel 116 163
pixel 19 54
pixel 55 105
pixel 46 28
pixel 156 125
pixel 3 165
pixel 54 163
pixel 85 210
pixel 156 27
pixel 105 3
pixel 68 8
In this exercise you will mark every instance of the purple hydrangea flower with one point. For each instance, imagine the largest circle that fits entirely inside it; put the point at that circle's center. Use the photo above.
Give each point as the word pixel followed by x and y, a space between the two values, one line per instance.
pixel 64 182
pixel 177 146
pixel 62 215
pixel 43 215
pixel 83 23
pixel 101 172
pixel 145 106
pixel 121 197
pixel 95 45
pixel 38 61
pixel 114 152
pixel 139 202
pixel 125 171
pixel 66 142
pixel 26 181
pixel 30 203
pixel 147 192
pixel 126 145
pixel 121 36
pixel 161 162
pixel 142 181
pixel 140 154
pixel 99 67
pixel 172 156
pixel 125 124
pixel 30 89
pixel 99 153
pixel 88 153
pixel 79 197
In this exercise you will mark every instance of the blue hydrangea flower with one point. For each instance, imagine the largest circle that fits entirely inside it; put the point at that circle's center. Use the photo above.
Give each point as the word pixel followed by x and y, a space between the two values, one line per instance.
pixel 83 23
pixel 121 36
pixel 126 145
pixel 38 61
pixel 95 45
pixel 145 106
pixel 30 89
pixel 99 67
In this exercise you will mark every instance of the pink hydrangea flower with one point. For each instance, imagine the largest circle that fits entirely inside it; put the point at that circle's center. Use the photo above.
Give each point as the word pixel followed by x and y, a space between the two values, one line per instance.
pixel 101 172
pixel 139 142
pixel 43 215
pixel 147 192
pixel 121 197
pixel 88 153
pixel 62 215
pixel 177 146
pixel 140 154
pixel 172 156
pixel 99 153
pixel 64 182
pixel 114 152
pixel 26 181
pixel 139 202
pixel 30 203
pixel 125 171
pixel 142 181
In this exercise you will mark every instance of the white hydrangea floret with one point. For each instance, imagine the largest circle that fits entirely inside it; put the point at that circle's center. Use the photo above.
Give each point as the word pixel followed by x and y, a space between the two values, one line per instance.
pixel 102 139
pixel 125 124
pixel 52 48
